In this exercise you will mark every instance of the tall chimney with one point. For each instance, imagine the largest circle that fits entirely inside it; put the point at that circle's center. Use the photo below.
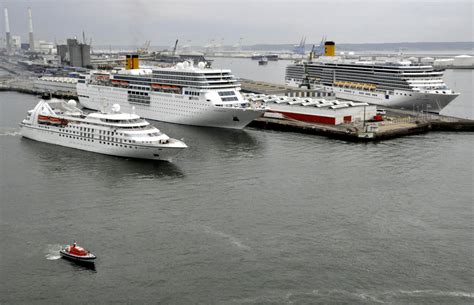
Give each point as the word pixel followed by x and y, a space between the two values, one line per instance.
pixel 7 31
pixel 32 41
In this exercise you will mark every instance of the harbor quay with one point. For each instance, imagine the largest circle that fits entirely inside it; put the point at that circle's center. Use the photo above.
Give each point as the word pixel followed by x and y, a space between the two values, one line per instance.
pixel 362 126
pixel 397 126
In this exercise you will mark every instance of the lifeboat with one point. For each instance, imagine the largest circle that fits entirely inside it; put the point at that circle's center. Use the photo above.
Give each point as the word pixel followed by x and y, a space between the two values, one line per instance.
pixel 102 77
pixel 55 121
pixel 43 119
pixel 76 253
pixel 156 86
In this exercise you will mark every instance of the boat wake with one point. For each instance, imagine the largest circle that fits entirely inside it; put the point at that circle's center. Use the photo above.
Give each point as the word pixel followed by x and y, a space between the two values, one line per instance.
pixel 387 297
pixel 52 252
pixel 233 240
pixel 359 297
pixel 437 293
pixel 9 132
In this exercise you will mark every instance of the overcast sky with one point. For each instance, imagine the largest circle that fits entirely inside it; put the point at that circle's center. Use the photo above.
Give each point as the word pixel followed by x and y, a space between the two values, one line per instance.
pixel 131 22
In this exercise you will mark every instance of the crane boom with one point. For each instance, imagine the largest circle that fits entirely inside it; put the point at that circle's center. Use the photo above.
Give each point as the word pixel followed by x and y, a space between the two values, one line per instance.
pixel 175 46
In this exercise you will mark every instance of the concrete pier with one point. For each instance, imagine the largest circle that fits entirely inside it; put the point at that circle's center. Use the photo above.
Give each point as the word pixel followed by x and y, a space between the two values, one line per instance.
pixel 403 126
pixel 25 85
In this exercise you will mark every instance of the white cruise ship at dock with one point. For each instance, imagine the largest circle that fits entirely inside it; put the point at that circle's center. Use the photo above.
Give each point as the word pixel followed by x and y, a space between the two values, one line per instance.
pixel 111 133
pixel 183 94
pixel 398 83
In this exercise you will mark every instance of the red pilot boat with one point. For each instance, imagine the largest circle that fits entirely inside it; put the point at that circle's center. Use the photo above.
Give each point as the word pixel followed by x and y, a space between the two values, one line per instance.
pixel 76 253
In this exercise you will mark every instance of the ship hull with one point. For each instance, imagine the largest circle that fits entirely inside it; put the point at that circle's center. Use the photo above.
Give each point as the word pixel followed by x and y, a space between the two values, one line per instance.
pixel 430 102
pixel 90 258
pixel 51 135
pixel 171 108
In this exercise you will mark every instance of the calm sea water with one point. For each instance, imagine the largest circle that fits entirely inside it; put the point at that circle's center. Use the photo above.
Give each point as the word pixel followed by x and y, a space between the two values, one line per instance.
pixel 241 217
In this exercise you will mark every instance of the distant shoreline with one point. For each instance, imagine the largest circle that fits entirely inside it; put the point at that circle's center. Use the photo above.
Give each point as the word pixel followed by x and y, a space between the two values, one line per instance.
pixel 463 46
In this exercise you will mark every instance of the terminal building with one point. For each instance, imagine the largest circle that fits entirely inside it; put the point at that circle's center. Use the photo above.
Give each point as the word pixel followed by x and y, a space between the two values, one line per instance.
pixel 327 110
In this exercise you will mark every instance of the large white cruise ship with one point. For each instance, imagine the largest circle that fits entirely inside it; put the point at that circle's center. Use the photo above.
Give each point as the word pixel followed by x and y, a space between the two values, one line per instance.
pixel 183 94
pixel 111 133
pixel 398 83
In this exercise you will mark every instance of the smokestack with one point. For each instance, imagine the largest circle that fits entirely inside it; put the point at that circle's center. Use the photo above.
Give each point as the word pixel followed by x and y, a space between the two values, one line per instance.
pixel 32 41
pixel 7 30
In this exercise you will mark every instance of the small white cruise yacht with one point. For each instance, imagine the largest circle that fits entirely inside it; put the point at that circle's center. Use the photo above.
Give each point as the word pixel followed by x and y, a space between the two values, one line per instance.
pixel 111 133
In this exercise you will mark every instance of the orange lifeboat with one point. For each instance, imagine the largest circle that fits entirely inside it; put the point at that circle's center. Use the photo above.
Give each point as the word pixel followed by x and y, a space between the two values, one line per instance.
pixel 43 119
pixel 76 253
pixel 54 120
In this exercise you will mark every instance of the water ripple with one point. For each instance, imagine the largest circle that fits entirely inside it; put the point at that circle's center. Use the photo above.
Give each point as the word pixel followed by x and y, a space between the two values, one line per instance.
pixel 231 239
pixel 10 132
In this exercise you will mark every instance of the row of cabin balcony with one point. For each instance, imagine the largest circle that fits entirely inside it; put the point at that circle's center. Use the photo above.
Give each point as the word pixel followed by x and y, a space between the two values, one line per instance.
pixel 366 78
pixel 378 71
pixel 398 67
pixel 367 68
pixel 371 80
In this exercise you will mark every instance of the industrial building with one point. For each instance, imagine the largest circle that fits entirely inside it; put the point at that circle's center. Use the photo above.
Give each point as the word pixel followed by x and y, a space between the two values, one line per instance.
pixel 13 43
pixel 74 53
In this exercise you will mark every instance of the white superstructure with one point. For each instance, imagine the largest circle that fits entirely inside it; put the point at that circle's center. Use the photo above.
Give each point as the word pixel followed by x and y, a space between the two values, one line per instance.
pixel 395 83
pixel 182 94
pixel 111 133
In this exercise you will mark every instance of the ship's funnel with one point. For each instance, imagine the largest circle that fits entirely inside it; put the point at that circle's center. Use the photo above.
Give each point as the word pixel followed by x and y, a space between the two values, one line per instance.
pixel 32 40
pixel 329 48
pixel 7 31
pixel 132 62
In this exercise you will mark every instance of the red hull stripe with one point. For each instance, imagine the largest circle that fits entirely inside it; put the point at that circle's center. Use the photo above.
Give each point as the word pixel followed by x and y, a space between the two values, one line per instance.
pixel 308 117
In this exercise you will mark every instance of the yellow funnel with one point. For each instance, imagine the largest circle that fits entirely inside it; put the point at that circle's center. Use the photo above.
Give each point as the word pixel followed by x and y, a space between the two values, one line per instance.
pixel 132 62
pixel 329 48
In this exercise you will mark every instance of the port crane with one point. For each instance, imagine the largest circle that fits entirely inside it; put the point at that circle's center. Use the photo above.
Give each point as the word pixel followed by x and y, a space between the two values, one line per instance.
pixel 175 47
pixel 144 48
pixel 300 48
pixel 306 82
